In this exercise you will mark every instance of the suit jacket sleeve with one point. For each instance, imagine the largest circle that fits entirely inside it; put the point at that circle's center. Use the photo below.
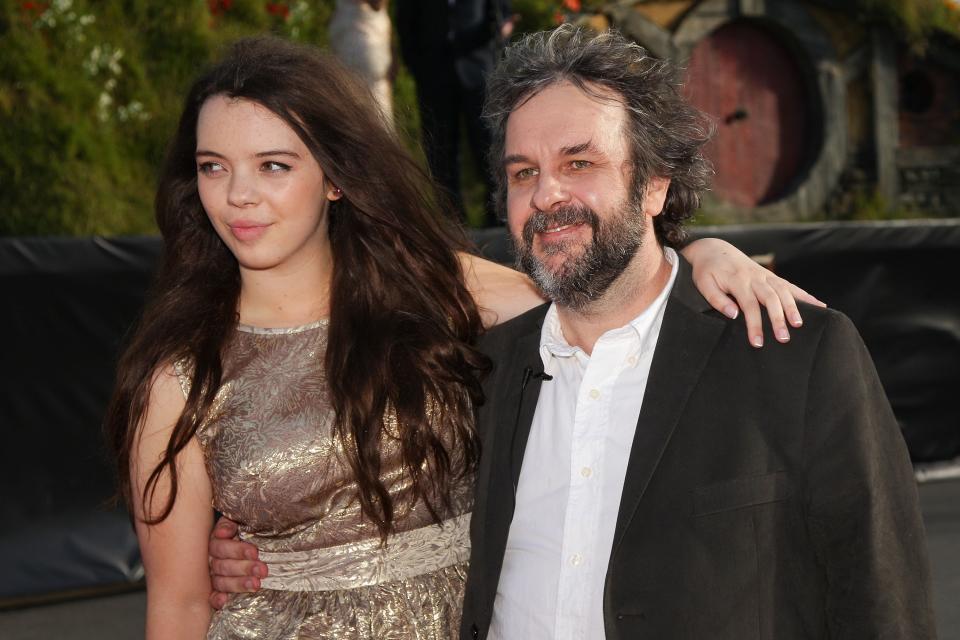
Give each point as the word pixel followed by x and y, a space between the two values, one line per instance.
pixel 861 499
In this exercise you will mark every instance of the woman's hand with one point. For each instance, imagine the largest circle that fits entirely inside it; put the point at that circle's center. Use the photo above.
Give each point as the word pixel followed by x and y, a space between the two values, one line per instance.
pixel 720 269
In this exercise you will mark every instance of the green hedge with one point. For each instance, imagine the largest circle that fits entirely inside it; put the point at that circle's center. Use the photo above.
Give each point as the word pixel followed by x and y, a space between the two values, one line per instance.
pixel 89 95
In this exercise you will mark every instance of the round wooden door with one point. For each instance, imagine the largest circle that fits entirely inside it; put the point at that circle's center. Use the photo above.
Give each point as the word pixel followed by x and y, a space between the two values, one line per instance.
pixel 751 85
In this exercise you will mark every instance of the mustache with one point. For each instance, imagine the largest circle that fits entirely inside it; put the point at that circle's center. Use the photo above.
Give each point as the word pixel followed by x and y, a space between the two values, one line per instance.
pixel 540 221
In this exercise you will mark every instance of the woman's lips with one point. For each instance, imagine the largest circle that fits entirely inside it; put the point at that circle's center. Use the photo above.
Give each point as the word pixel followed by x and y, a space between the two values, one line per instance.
pixel 245 231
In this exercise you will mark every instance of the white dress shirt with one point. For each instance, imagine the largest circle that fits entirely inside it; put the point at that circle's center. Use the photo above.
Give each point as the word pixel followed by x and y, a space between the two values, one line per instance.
pixel 568 495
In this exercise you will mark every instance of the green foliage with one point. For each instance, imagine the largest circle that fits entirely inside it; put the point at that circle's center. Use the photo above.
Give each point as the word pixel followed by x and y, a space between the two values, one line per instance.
pixel 535 15
pixel 89 95
pixel 916 19
pixel 870 205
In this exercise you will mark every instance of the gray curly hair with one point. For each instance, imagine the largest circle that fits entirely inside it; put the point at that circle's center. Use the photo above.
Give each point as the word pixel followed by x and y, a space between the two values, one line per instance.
pixel 666 133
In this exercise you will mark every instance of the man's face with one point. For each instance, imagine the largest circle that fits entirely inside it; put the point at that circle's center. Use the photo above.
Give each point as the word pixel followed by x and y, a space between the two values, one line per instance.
pixel 574 218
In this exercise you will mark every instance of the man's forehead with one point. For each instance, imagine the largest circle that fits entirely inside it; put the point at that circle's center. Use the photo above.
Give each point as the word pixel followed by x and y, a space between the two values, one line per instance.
pixel 564 116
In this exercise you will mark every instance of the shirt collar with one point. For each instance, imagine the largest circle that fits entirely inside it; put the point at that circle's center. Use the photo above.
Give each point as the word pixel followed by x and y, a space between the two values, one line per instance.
pixel 554 345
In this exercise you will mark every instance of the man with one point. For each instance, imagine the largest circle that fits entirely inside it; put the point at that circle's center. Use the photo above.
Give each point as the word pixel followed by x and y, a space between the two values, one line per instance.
pixel 645 474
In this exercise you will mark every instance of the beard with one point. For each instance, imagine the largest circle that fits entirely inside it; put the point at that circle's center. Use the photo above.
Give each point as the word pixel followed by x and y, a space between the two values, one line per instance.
pixel 589 268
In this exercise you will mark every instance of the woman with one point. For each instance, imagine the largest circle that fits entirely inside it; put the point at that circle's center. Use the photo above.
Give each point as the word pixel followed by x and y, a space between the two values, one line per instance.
pixel 305 364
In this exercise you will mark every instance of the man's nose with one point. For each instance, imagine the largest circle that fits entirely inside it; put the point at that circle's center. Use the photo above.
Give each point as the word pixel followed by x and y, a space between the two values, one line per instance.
pixel 551 192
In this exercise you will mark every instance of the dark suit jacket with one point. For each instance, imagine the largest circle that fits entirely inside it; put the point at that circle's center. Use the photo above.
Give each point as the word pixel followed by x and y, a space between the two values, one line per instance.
pixel 768 492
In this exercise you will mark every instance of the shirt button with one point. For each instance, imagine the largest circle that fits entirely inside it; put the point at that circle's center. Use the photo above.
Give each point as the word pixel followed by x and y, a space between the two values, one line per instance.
pixel 576 559
pixel 594 393
pixel 586 472
pixel 632 361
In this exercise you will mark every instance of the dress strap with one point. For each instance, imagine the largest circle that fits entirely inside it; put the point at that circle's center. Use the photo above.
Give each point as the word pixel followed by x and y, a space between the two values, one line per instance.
pixel 184 370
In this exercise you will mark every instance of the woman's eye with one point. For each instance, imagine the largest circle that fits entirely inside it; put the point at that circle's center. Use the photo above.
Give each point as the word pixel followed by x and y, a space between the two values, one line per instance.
pixel 275 167
pixel 209 168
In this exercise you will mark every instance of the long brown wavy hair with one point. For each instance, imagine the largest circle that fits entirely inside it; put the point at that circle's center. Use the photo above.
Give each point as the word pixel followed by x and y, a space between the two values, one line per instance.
pixel 402 322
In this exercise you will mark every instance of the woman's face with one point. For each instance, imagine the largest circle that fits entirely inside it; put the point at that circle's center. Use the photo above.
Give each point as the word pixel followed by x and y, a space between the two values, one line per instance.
pixel 262 189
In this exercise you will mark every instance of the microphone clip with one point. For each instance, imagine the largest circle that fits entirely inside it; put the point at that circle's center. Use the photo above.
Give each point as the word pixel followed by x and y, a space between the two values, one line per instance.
pixel 529 373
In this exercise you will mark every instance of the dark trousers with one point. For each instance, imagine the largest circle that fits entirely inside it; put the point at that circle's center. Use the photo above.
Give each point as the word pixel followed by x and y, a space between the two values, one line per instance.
pixel 444 104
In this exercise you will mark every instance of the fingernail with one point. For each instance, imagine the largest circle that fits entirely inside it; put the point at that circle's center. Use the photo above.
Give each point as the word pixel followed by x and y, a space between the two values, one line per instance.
pixel 757 341
pixel 796 320
pixel 783 335
pixel 250 554
pixel 258 571
pixel 248 584
pixel 731 311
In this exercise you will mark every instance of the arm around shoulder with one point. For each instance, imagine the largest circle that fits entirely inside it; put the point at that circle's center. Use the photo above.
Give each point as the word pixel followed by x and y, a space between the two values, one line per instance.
pixel 174 549
pixel 500 292
pixel 861 501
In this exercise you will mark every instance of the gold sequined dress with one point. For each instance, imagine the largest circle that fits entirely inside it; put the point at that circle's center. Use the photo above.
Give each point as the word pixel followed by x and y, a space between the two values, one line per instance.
pixel 277 470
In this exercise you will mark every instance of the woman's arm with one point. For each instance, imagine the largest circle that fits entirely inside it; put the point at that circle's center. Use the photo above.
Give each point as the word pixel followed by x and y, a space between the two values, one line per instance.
pixel 500 292
pixel 719 269
pixel 175 550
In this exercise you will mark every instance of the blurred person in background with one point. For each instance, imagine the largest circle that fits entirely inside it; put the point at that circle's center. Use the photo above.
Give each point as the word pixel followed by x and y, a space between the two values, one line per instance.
pixel 360 34
pixel 450 46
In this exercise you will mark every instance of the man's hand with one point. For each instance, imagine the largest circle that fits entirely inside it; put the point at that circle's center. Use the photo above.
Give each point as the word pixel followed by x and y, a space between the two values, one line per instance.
pixel 234 565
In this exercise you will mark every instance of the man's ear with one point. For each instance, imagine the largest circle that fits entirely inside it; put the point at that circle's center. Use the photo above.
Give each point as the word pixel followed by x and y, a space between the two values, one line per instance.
pixel 654 195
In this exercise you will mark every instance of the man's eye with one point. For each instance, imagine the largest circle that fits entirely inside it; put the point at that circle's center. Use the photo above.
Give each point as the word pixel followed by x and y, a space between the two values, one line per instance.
pixel 525 173
pixel 580 164
pixel 275 167
pixel 209 168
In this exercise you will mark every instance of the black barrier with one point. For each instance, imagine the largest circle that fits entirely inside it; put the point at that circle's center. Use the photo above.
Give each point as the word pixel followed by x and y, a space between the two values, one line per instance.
pixel 70 302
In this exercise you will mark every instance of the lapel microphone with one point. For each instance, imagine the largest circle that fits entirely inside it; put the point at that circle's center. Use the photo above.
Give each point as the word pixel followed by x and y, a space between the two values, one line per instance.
pixel 528 373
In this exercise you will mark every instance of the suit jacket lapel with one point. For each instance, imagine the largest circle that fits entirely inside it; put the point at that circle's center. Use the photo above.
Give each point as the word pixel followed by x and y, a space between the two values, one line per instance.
pixel 524 393
pixel 509 414
pixel 514 403
pixel 687 338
